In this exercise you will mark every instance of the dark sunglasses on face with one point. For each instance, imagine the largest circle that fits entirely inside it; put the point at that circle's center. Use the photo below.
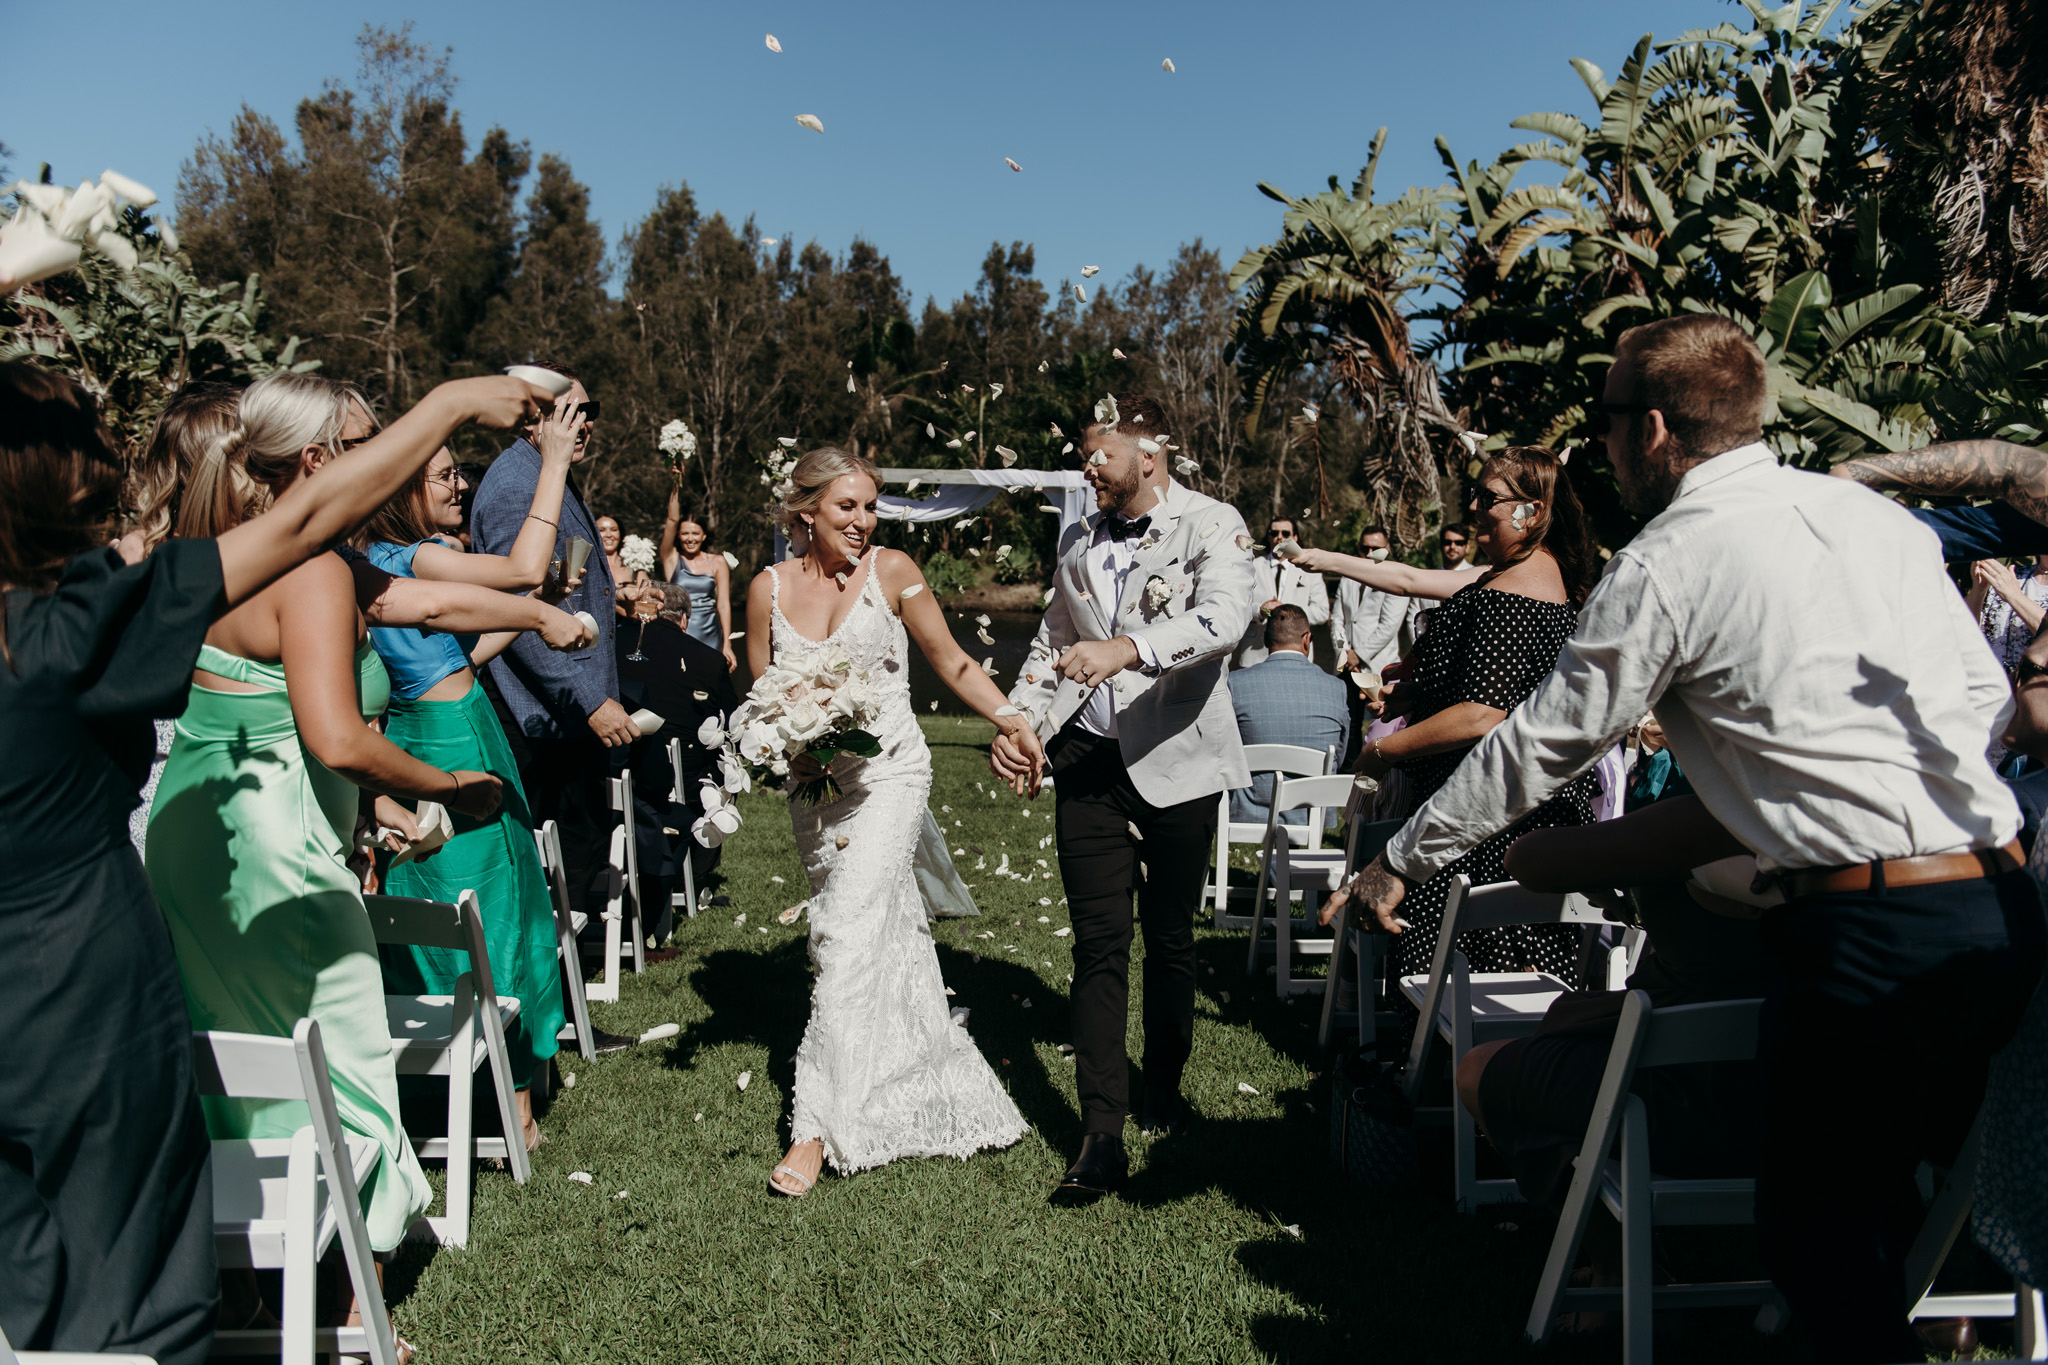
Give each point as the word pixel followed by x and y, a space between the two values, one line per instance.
pixel 1485 500
pixel 588 407
pixel 1601 420
pixel 1454 542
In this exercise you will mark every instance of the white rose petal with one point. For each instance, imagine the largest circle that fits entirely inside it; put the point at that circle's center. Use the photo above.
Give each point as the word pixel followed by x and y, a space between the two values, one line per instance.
pixel 1079 296
pixel 1119 355
pixel 1244 1089
pixel 1167 65
pixel 1008 711
pixel 1011 164
pixel 812 122
pixel 1009 456
pixel 1089 271
pixel 773 46
pixel 744 1078
pixel 1061 932
pixel 582 1177
pixel 1150 447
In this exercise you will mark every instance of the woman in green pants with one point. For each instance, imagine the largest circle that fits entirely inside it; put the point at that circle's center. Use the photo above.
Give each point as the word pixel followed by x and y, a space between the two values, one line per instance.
pixel 442 716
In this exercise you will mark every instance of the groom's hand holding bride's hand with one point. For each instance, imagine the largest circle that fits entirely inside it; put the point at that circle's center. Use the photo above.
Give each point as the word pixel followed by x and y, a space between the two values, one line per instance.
pixel 1018 758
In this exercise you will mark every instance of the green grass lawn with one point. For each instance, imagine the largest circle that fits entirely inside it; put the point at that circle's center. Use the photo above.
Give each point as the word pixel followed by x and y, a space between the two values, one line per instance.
pixel 1232 1242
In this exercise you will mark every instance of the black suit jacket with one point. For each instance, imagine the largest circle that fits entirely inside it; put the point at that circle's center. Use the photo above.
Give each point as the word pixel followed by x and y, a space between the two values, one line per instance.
pixel 683 680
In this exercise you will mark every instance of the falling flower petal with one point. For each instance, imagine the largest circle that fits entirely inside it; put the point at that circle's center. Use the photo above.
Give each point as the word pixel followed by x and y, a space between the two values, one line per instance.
pixel 1011 164
pixel 995 390
pixel 1090 271
pixel 1310 414
pixel 769 241
pixel 732 561
pixel 851 387
pixel 786 442
pixel 913 590
pixel 744 1078
pixel 1150 447
pixel 1187 469
pixel 983 636
pixel 1167 65
pixel 935 706
pixel 812 122
pixel 1044 365
pixel 1293 1230
pixel 773 46
pixel 1067 449
pixel 1119 355
pixel 1106 413
pixel 952 445
pixel 1079 295
pixel 661 1031
pixel 1008 456
pixel 1098 459
pixel 930 430
pixel 1002 552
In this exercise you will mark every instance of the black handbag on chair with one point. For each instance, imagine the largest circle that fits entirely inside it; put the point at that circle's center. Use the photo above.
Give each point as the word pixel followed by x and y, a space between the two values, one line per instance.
pixel 1372 1124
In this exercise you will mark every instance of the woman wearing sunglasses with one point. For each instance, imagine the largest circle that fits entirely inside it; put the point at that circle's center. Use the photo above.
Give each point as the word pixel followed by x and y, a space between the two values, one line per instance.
pixel 1496 636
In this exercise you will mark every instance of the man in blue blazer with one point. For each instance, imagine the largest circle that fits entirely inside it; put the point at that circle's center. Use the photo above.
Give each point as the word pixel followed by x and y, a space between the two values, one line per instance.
pixel 561 710
pixel 1288 699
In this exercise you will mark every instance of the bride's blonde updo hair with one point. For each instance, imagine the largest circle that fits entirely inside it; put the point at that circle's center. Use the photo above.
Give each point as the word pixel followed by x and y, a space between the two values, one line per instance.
pixel 803 489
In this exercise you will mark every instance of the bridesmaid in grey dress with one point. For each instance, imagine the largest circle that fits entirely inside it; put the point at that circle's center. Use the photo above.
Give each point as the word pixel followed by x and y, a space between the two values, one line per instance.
pixel 688 560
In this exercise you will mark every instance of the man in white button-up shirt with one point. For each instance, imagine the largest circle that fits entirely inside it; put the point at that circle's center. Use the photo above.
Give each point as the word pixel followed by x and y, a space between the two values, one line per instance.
pixel 1825 690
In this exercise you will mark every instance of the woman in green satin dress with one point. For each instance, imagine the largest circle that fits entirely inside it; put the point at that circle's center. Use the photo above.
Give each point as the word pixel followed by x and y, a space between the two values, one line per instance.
pixel 255 815
pixel 441 715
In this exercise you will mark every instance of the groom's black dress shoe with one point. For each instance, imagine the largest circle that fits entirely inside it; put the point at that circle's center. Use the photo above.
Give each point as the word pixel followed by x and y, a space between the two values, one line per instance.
pixel 1165 1115
pixel 1100 1169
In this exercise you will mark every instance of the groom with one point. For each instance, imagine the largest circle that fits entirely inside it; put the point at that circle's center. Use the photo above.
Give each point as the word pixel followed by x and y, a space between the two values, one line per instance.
pixel 1126 682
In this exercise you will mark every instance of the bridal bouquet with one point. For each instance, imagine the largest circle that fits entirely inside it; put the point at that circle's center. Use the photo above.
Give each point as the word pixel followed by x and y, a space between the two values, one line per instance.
pixel 817 703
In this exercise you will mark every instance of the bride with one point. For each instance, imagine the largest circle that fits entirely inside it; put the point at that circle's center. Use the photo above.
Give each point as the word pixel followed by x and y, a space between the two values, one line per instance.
pixel 882 1071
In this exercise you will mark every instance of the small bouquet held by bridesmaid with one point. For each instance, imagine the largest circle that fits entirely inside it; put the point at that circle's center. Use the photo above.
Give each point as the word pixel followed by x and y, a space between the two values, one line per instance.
pixel 818 704
pixel 678 443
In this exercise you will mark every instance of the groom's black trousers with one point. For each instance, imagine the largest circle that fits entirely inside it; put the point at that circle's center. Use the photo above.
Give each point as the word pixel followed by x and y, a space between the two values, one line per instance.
pixel 1102 863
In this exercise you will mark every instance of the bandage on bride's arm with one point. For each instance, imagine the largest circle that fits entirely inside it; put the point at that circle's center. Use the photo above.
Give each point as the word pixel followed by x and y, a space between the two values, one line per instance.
pixel 1659 843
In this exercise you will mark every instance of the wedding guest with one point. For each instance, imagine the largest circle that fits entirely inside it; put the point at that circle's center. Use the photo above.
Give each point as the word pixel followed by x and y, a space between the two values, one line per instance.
pixel 1655 775
pixel 1454 547
pixel 2009 606
pixel 439 714
pixel 255 819
pixel 1369 629
pixel 1276 580
pixel 1286 700
pixel 1486 649
pixel 609 540
pixel 1837 731
pixel 106 1208
pixel 688 560
pixel 560 712
pixel 685 682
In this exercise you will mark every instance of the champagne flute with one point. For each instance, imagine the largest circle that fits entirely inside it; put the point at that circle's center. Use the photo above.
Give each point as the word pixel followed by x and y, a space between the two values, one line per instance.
pixel 645 608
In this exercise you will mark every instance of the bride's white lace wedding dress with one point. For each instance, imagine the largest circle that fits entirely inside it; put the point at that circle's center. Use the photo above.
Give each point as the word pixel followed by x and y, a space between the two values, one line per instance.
pixel 883 1072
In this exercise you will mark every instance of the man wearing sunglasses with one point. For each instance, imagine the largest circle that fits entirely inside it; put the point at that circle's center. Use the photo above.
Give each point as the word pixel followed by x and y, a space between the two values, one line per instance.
pixel 1829 696
pixel 561 712
pixel 1455 545
pixel 1276 581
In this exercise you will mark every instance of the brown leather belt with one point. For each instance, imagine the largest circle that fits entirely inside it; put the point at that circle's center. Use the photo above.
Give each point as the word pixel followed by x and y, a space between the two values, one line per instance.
pixel 1904 872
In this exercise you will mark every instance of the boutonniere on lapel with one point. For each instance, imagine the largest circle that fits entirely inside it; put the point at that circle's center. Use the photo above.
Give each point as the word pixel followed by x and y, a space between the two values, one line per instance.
pixel 1159 594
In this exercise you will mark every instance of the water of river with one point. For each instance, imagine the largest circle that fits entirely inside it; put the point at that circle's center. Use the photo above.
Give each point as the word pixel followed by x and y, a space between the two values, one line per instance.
pixel 1012 631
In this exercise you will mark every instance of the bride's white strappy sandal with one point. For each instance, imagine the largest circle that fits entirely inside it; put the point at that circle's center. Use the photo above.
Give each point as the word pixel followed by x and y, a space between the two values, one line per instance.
pixel 794 1174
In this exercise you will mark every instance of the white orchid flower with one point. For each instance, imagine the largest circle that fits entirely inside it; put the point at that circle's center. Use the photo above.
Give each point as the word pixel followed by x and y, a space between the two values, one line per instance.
pixel 711 734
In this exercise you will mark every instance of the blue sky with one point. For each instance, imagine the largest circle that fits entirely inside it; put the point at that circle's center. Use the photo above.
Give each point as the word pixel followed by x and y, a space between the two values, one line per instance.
pixel 921 103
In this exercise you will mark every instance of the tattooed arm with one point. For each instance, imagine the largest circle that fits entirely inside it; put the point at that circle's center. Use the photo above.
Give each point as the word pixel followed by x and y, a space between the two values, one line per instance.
pixel 2015 474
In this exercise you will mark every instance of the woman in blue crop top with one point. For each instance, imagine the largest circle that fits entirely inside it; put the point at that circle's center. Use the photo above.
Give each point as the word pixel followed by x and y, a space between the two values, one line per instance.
pixel 440 714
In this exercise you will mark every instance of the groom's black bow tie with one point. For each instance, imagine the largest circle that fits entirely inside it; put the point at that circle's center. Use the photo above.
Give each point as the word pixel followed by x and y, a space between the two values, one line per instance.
pixel 1118 528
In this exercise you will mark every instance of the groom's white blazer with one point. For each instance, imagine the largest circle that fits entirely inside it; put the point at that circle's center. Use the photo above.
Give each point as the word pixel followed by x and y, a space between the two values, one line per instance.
pixel 1176 728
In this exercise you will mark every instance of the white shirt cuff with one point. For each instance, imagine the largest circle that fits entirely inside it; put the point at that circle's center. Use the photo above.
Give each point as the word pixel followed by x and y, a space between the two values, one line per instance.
pixel 1148 660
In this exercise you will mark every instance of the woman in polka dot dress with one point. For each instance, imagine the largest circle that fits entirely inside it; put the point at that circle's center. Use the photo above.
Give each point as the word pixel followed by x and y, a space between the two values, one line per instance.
pixel 1482 652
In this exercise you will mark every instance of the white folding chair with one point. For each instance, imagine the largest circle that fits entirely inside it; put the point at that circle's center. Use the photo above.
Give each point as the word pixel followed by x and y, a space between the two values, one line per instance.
pixel 685 899
pixel 436 1035
pixel 1310 873
pixel 622 904
pixel 1630 1188
pixel 1467 1008
pixel 10 1356
pixel 279 1203
pixel 1946 1214
pixel 568 924
pixel 1364 949
pixel 1281 760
